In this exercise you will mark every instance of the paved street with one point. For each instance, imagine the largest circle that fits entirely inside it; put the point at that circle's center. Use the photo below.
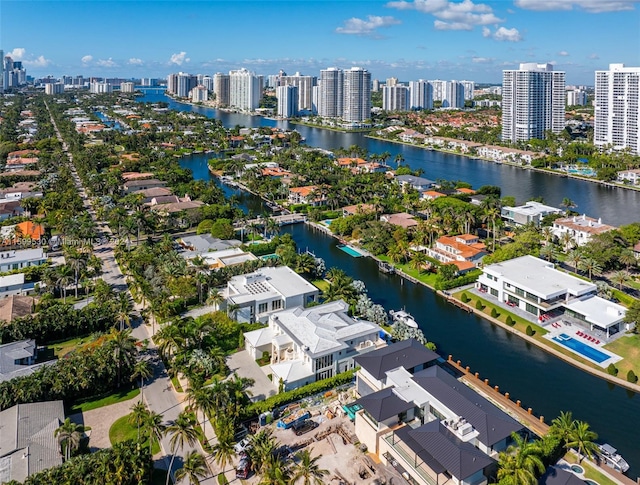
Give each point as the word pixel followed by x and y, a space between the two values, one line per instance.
pixel 159 395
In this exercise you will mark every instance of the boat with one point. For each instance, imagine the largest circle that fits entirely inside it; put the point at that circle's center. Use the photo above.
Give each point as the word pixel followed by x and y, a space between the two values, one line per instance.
pixel 404 317
pixel 612 458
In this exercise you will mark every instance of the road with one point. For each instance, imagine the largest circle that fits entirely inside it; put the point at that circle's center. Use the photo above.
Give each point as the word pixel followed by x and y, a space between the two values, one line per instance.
pixel 159 393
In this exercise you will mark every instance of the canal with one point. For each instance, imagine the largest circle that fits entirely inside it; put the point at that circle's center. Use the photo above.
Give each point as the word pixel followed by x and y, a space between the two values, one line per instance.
pixel 539 380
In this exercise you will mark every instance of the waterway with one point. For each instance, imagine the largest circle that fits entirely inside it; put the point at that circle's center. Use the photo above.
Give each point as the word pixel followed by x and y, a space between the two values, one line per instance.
pixel 615 206
pixel 539 380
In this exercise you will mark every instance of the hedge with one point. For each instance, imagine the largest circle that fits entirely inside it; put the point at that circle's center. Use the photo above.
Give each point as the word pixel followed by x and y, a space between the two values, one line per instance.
pixel 466 279
pixel 529 331
pixel 632 377
pixel 612 370
pixel 479 305
pixel 465 298
pixel 510 321
pixel 494 313
pixel 257 408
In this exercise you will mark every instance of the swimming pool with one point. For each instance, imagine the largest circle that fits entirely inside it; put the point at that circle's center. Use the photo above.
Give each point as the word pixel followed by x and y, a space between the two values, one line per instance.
pixel 581 348
pixel 350 251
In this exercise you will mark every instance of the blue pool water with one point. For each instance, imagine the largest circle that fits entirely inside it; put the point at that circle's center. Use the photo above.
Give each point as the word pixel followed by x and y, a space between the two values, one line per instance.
pixel 327 222
pixel 350 251
pixel 580 348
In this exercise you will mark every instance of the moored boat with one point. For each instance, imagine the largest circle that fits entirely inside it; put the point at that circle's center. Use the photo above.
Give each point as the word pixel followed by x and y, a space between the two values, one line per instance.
pixel 612 458
pixel 404 317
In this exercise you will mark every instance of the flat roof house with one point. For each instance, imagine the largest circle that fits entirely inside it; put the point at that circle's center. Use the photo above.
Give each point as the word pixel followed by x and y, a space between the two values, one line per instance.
pixel 424 421
pixel 313 343
pixel 10 260
pixel 28 444
pixel 419 183
pixel 268 290
pixel 134 185
pixel 17 359
pixel 530 213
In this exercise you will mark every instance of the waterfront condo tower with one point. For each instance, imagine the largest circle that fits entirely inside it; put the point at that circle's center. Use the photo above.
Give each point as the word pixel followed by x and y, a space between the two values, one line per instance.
pixel 287 101
pixel 244 90
pixel 357 95
pixel 617 108
pixel 532 102
pixel 395 98
pixel 221 87
pixel 421 95
pixel 330 92
pixel 305 86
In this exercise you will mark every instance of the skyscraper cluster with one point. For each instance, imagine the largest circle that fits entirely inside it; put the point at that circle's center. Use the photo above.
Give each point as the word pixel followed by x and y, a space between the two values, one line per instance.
pixel 344 94
pixel 13 74
pixel 533 101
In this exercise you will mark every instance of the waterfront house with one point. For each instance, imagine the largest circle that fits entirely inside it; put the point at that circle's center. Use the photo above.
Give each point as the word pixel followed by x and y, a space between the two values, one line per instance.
pixel 351 210
pixel 10 208
pixel 141 184
pixel 307 195
pixel 580 228
pixel 503 154
pixel 431 195
pixel 530 213
pixel 464 250
pixel 401 219
pixel 28 444
pixel 203 243
pixel 419 183
pixel 631 177
pixel 311 344
pixel 254 296
pixel 423 421
pixel 129 176
pixel 149 194
pixel 18 359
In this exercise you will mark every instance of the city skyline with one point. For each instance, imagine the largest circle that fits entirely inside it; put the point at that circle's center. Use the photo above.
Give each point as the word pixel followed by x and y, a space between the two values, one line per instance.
pixel 413 39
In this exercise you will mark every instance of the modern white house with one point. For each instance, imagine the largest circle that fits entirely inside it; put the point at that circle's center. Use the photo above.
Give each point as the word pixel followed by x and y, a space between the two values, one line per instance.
pixel 630 176
pixel 418 183
pixel 423 421
pixel 530 213
pixel 253 297
pixel 581 228
pixel 10 260
pixel 17 359
pixel 311 344
pixel 14 285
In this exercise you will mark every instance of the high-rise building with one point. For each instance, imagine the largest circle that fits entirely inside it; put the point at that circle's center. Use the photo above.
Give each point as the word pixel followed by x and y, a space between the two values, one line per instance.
pixel 357 95
pixel 453 95
pixel 101 87
pixel 13 74
pixel 331 92
pixel 221 88
pixel 1 71
pixel 469 87
pixel 305 86
pixel 532 102
pixel 127 87
pixel 244 90
pixel 53 88
pixel 199 94
pixel 617 108
pixel 186 82
pixel 395 98
pixel 439 89
pixel 420 95
pixel 376 86
pixel 576 97
pixel 392 81
pixel 149 81
pixel 287 100
pixel 207 82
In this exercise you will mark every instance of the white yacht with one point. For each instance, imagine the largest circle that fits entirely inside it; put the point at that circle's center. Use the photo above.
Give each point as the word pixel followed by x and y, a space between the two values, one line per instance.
pixel 612 458
pixel 404 317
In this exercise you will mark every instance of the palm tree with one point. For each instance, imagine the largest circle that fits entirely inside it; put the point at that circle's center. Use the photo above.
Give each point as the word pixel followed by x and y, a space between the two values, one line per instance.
pixel 143 370
pixel 202 399
pixel 583 439
pixel 521 463
pixel 194 468
pixel 138 416
pixel 564 426
pixel 124 306
pixel 620 278
pixel 124 348
pixel 64 277
pixel 308 469
pixel 223 450
pixel 418 260
pixel 568 203
pixel 154 428
pixel 627 258
pixel 77 261
pixel 574 258
pixel 591 266
pixel 275 471
pixel 181 431
pixel 566 241
pixel 69 436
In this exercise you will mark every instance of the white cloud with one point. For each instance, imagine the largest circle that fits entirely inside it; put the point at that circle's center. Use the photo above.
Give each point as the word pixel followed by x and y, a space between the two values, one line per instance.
pixel 17 54
pixel 179 59
pixel 563 53
pixel 594 56
pixel 593 6
pixel 482 60
pixel 86 59
pixel 486 32
pixel 356 26
pixel 508 35
pixel 135 61
pixel 450 15
pixel 107 63
pixel 39 61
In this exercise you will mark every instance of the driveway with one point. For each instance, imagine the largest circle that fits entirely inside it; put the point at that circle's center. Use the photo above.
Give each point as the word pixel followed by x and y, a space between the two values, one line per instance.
pixel 242 364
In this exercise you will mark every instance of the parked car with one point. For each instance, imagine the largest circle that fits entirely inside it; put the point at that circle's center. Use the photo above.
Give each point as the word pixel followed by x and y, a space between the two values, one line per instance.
pixel 243 470
pixel 304 427
pixel 241 446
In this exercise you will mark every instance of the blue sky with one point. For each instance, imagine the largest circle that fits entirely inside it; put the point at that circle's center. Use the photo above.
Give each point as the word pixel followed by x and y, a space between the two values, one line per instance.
pixel 408 39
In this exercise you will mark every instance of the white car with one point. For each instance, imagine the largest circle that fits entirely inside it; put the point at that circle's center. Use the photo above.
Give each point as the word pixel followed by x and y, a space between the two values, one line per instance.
pixel 241 446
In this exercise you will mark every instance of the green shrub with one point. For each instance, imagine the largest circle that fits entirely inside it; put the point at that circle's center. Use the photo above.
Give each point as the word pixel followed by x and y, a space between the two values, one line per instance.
pixel 529 331
pixel 632 377
pixel 612 370
pixel 466 279
pixel 510 321
pixel 464 297
pixel 479 305
pixel 494 313
pixel 256 408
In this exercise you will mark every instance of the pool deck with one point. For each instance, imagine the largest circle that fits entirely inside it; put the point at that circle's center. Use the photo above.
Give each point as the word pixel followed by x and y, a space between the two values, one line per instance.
pixel 578 333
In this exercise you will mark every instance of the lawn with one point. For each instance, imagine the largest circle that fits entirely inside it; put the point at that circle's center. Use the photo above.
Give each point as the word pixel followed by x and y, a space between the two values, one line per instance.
pixel 627 347
pixel 321 284
pixel 60 349
pixel 99 402
pixel 427 278
pixel 590 472
pixel 121 430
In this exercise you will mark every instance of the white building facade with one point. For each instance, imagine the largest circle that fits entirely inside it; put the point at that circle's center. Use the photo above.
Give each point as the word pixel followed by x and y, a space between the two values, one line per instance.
pixel 244 90
pixel 395 98
pixel 287 96
pixel 420 95
pixel 330 92
pixel 357 95
pixel 221 88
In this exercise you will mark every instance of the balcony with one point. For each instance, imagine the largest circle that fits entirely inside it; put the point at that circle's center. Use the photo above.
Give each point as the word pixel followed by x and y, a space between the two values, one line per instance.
pixel 409 459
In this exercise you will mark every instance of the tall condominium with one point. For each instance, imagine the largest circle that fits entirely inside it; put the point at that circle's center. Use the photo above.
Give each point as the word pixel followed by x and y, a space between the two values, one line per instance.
pixel 287 100
pixel 181 84
pixel 221 88
pixel 453 95
pixel 617 108
pixel 244 90
pixel 439 89
pixel 330 92
pixel 199 94
pixel 395 98
pixel 357 95
pixel 376 86
pixel 1 71
pixel 392 81
pixel 469 87
pixel 207 82
pixel 576 97
pixel 532 102
pixel 305 86
pixel 420 95
pixel 127 87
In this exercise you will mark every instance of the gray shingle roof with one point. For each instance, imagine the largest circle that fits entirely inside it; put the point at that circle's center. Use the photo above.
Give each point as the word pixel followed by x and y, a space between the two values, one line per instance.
pixel 492 424
pixel 556 476
pixel 384 404
pixel 446 452
pixel 407 353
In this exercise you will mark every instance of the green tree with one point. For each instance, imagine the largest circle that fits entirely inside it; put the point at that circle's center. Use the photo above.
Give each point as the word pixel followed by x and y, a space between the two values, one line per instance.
pixel 521 463
pixel 181 431
pixel 69 436
pixel 307 469
pixel 194 469
pixel 564 426
pixel 583 438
